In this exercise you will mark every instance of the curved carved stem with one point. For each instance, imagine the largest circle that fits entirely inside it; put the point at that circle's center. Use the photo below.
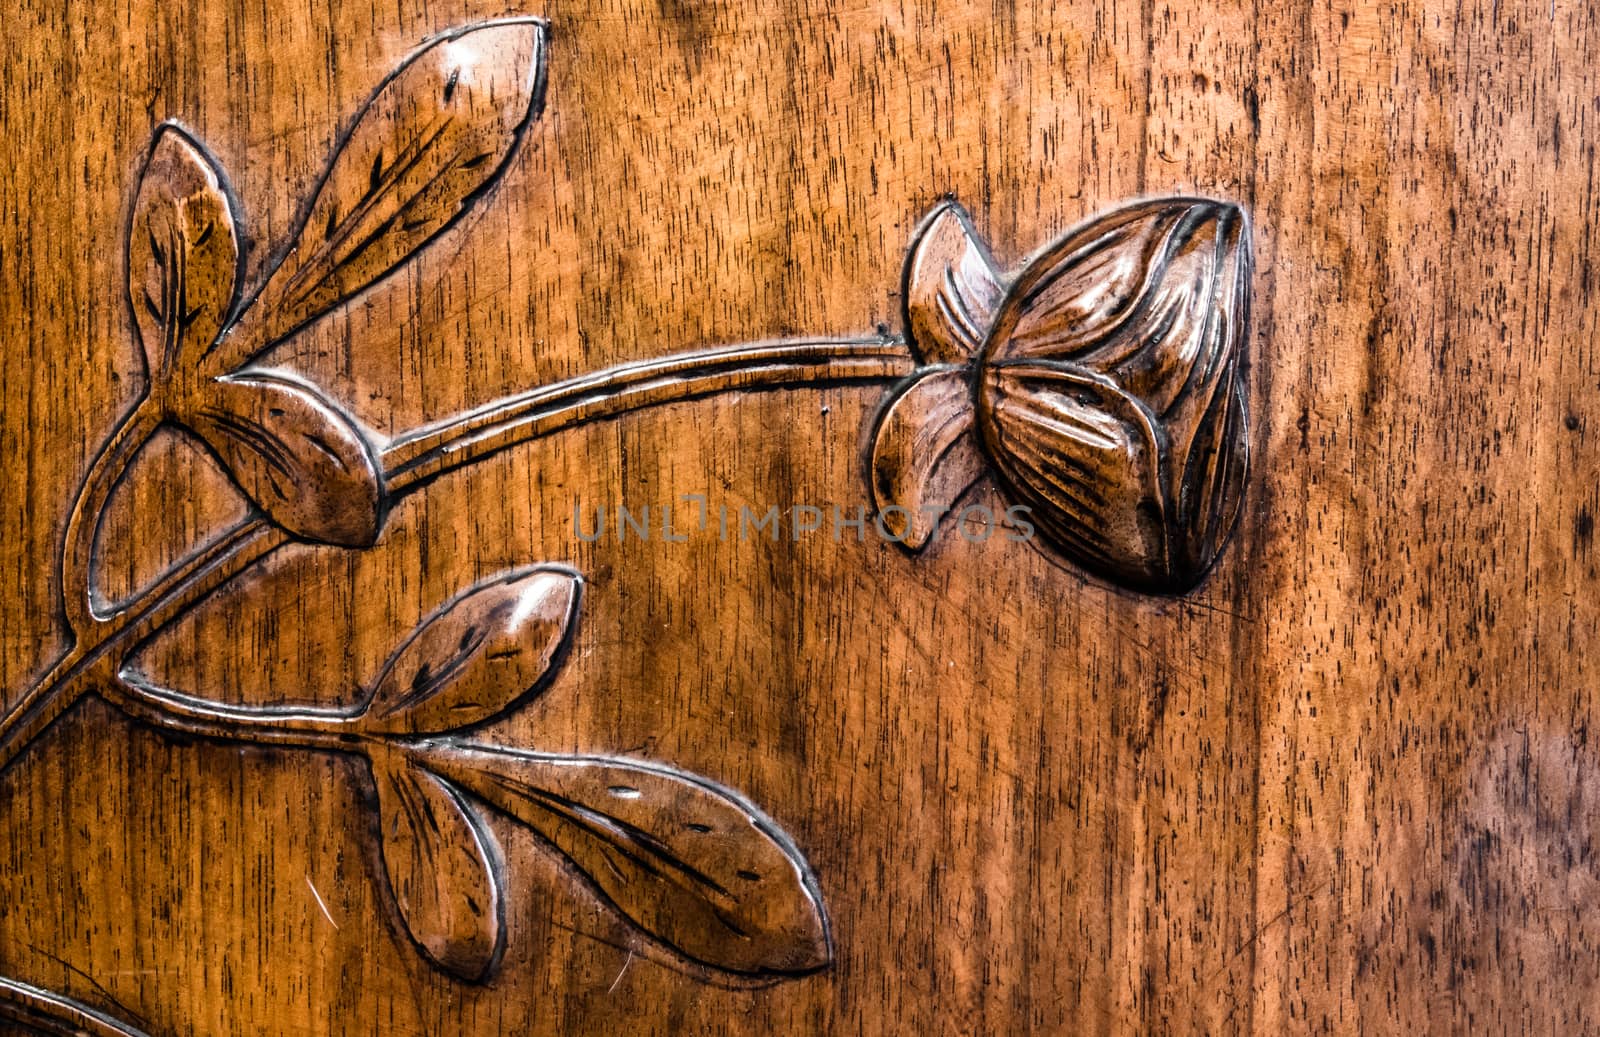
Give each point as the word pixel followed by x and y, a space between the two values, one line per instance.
pixel 83 524
pixel 158 707
pixel 191 581
pixel 41 705
pixel 39 1011
pixel 420 456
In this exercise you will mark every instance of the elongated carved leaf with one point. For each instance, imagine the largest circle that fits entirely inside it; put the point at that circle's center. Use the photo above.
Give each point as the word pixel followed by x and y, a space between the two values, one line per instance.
pixel 925 455
pixel 297 458
pixel 443 867
pixel 183 253
pixel 478 656
pixel 429 144
pixel 951 288
pixel 693 865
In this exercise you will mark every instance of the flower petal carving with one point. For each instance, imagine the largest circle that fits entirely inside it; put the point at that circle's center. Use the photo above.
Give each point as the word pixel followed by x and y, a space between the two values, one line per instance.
pixel 925 455
pixel 1166 321
pixel 443 868
pixel 183 253
pixel 951 288
pixel 297 457
pixel 692 864
pixel 1151 302
pixel 479 655
pixel 1084 455
pixel 430 143
pixel 1083 290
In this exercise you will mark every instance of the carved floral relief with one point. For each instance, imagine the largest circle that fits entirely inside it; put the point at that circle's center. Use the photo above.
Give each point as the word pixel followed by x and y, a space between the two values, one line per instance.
pixel 1099 385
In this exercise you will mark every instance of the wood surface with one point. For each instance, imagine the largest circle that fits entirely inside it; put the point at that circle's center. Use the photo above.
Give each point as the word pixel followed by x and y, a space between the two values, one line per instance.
pixel 1340 786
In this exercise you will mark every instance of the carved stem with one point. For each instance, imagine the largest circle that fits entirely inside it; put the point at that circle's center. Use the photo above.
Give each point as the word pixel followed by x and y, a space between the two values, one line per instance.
pixel 191 581
pixel 43 1012
pixel 412 461
pixel 428 453
pixel 302 728
pixel 41 704
pixel 83 523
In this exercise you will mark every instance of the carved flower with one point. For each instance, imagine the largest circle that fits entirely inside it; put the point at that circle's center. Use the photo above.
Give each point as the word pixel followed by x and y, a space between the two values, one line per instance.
pixel 1100 384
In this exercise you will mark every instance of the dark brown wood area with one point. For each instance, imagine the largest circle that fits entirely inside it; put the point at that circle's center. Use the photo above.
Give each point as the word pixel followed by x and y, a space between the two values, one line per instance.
pixel 798 518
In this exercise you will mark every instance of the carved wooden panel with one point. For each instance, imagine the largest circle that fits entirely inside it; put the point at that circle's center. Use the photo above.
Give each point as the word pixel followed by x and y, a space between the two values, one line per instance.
pixel 711 518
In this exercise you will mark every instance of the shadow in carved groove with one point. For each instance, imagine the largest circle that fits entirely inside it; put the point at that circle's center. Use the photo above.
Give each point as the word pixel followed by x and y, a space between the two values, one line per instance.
pixel 29 1010
pixel 1100 385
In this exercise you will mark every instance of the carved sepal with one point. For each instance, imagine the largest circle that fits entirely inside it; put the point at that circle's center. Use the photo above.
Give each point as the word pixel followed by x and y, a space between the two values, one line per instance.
pixel 925 454
pixel 951 288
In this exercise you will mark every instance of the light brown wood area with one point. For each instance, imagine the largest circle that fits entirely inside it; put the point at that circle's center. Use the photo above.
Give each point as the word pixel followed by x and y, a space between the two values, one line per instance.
pixel 333 706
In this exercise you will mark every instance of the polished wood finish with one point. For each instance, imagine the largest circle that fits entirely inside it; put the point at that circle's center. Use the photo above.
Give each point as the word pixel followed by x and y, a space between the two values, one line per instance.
pixel 334 705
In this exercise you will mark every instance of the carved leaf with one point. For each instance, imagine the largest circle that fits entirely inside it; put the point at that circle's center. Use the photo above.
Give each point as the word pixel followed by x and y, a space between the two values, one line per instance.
pixel 1085 457
pixel 924 456
pixel 692 864
pixel 183 253
pixel 951 288
pixel 478 656
pixel 297 458
pixel 443 867
pixel 432 140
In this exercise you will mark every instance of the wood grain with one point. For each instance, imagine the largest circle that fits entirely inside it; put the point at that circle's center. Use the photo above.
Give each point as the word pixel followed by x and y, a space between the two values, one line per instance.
pixel 1342 787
